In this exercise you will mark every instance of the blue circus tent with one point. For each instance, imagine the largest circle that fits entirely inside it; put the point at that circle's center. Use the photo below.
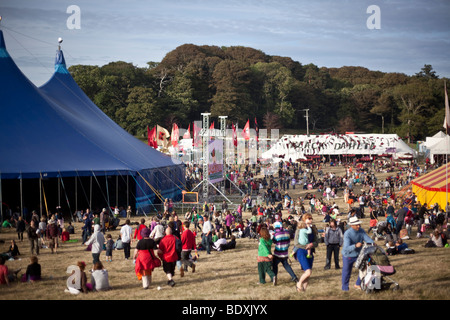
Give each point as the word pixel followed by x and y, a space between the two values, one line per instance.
pixel 56 131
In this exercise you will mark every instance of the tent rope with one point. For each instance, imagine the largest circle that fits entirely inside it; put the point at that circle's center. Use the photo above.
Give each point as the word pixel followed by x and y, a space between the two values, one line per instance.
pixel 159 195
pixel 104 197
pixel 65 194
pixel 144 194
pixel 43 192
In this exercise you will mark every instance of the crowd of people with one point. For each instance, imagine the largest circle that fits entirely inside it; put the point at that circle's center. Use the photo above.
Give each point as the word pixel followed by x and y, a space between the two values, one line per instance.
pixel 282 224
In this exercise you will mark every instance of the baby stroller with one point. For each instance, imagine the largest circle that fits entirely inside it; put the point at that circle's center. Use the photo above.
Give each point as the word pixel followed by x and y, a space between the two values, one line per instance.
pixel 375 269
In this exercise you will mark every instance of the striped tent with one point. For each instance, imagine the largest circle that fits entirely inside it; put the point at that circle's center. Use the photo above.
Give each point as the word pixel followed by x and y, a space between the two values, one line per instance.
pixel 432 187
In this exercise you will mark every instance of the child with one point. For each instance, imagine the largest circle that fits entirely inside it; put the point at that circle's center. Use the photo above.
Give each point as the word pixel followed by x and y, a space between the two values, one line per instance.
pixel 33 272
pixel 118 245
pixel 304 236
pixel 109 245
pixel 265 257
pixel 304 232
pixel 391 248
pixel 403 248
pixel 65 235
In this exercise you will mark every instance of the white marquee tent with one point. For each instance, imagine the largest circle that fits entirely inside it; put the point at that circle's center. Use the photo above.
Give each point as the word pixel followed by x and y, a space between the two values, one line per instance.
pixel 440 146
pixel 299 146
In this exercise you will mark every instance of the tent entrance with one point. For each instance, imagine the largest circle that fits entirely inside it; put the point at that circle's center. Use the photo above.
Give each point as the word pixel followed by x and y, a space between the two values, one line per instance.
pixel 72 194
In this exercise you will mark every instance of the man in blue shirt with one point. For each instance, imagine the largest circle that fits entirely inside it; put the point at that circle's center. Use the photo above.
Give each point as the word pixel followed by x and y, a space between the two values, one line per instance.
pixel 353 241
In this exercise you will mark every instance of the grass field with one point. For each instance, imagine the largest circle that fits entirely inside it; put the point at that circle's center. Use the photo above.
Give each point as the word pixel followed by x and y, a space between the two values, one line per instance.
pixel 229 275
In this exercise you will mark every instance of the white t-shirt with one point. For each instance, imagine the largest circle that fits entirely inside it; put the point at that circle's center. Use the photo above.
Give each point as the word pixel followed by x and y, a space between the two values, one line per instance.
pixel 207 227
pixel 125 233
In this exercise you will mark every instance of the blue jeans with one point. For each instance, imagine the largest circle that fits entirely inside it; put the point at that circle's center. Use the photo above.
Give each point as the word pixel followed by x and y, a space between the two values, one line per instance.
pixel 286 265
pixel 206 242
pixel 347 272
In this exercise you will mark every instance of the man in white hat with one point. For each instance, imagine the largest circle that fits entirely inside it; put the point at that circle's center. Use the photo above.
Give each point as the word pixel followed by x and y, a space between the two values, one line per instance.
pixel 353 241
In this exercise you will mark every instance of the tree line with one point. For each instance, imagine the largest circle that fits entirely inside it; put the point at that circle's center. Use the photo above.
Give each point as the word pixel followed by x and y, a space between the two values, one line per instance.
pixel 244 83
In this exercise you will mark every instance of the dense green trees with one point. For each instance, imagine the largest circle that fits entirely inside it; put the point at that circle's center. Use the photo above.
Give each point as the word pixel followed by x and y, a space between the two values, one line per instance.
pixel 244 83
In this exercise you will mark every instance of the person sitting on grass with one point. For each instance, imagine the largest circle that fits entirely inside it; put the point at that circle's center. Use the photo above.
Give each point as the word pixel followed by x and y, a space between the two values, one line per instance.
pixel 33 272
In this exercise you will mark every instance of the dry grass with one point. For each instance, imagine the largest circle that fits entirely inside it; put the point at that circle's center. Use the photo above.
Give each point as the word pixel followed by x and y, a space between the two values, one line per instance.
pixel 229 275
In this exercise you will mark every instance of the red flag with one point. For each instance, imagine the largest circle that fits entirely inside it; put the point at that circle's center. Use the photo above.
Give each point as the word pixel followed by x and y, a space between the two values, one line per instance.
pixel 447 112
pixel 175 134
pixel 246 131
pixel 257 130
pixel 212 125
pixel 187 134
pixel 151 137
pixel 234 135
pixel 196 135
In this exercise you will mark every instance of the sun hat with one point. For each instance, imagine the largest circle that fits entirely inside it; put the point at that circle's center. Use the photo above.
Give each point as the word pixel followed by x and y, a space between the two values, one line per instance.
pixel 353 221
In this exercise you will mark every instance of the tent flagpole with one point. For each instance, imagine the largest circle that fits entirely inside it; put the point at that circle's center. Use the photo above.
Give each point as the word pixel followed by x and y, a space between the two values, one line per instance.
pixel 76 197
pixel 40 193
pixel 21 196
pixel 117 191
pixel 90 192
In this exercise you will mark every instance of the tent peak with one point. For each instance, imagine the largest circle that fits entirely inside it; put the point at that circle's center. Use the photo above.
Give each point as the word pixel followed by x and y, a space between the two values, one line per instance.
pixel 60 62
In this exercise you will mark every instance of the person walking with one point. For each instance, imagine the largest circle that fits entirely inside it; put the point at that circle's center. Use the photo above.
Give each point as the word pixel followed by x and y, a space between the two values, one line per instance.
pixel 97 240
pixel 33 237
pixel 167 252
pixel 333 240
pixel 305 240
pixel 87 226
pixel 282 239
pixel 52 235
pixel 126 234
pixel 229 219
pixel 144 258
pixel 188 244
pixel 20 228
pixel 353 241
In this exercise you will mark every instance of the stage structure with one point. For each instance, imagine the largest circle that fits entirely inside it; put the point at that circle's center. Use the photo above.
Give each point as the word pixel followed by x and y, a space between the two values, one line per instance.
pixel 212 171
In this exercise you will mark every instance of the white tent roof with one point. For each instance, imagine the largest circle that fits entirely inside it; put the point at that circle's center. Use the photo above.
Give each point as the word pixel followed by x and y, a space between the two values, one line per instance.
pixel 441 147
pixel 439 134
pixel 430 141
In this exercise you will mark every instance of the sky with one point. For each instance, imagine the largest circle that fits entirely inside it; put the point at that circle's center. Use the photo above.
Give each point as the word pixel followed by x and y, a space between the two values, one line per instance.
pixel 327 33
